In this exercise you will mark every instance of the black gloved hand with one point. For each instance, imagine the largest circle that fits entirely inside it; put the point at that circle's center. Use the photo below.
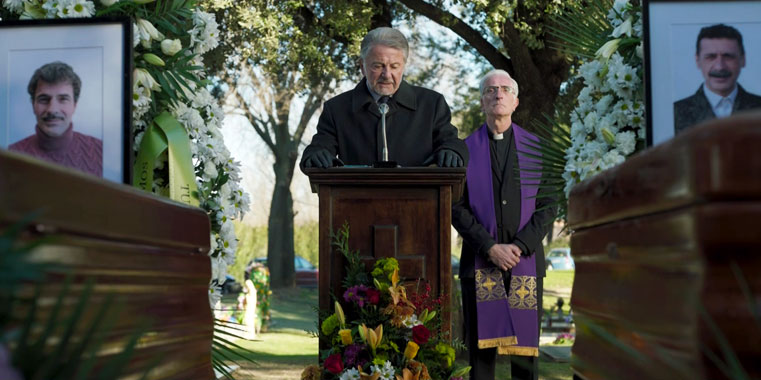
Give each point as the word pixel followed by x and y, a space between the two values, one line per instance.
pixel 445 158
pixel 319 158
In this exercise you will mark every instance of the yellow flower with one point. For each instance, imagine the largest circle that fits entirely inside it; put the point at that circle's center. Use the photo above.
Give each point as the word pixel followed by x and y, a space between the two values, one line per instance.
pixel 345 336
pixel 340 315
pixel 411 350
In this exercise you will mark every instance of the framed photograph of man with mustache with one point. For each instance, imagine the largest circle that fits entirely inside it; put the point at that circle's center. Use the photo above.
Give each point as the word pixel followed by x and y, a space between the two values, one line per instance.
pixel 702 61
pixel 66 93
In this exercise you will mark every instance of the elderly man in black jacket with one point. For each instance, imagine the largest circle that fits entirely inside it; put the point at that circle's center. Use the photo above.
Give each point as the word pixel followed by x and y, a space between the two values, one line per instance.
pixel 418 125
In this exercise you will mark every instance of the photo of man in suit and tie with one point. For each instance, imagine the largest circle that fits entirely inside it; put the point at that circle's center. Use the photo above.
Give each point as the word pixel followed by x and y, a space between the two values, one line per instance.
pixel 720 57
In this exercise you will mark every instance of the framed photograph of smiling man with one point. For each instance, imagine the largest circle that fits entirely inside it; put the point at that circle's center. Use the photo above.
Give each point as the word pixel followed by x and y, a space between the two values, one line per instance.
pixel 65 93
pixel 703 61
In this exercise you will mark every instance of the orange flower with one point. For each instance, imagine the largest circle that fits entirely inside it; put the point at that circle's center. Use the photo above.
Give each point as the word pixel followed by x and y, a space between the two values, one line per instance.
pixel 419 368
pixel 407 375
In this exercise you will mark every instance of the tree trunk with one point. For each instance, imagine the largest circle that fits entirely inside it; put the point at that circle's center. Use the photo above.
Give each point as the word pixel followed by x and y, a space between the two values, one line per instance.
pixel 280 254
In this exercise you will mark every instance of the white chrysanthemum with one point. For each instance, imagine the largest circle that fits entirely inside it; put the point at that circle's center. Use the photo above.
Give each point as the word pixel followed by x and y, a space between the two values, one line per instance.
pixel 411 321
pixel 349 374
pixel 54 8
pixel 218 270
pixel 80 8
pixel 611 159
pixel 15 6
pixel 618 11
pixel 140 97
pixel 626 142
pixel 386 371
pixel 215 295
pixel 205 34
pixel 590 71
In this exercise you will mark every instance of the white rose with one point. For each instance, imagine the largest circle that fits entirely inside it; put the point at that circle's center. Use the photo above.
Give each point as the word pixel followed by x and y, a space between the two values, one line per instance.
pixel 171 47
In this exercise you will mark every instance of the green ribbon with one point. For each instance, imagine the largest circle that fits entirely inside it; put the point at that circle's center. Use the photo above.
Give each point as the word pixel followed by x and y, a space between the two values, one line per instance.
pixel 166 133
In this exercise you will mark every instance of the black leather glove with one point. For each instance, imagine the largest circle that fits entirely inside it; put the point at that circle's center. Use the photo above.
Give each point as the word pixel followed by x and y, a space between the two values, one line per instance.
pixel 319 158
pixel 445 158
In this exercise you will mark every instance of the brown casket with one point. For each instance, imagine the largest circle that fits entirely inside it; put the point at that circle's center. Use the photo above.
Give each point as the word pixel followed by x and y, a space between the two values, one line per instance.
pixel 667 259
pixel 148 252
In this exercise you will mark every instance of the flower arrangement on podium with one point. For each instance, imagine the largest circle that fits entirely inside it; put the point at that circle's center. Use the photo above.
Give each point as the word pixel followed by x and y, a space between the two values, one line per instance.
pixel 377 331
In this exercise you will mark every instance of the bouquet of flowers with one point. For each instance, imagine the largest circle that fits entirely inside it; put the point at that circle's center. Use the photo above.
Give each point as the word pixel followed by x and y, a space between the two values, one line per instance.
pixel 377 331
pixel 608 122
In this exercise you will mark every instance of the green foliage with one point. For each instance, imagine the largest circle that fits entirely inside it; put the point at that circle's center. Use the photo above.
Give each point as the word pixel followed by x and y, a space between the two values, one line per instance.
pixel 355 269
pixel 580 32
pixel 225 349
pixel 550 150
pixel 306 241
pixel 252 243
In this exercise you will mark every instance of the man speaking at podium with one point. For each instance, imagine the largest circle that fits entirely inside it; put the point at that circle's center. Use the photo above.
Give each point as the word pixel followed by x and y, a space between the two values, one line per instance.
pixel 417 120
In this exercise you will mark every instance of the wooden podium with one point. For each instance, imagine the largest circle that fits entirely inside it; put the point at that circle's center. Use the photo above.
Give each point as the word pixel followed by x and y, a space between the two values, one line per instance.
pixel 667 258
pixel 404 213
pixel 149 252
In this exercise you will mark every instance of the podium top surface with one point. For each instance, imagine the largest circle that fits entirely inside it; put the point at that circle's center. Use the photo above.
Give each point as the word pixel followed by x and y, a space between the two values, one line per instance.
pixel 67 201
pixel 368 176
pixel 713 162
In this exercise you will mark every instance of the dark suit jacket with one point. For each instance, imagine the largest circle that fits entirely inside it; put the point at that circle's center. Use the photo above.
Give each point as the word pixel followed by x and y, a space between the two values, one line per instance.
pixel 417 125
pixel 695 109
pixel 477 241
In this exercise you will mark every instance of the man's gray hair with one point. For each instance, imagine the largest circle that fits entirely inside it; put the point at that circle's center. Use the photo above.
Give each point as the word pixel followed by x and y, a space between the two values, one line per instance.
pixel 55 72
pixel 494 73
pixel 387 37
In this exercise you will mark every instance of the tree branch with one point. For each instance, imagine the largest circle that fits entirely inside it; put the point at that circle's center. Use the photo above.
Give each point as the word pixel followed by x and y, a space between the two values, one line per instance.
pixel 465 31
pixel 254 121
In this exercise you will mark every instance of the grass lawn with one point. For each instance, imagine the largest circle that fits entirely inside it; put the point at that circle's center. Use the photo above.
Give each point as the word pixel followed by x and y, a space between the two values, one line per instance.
pixel 284 351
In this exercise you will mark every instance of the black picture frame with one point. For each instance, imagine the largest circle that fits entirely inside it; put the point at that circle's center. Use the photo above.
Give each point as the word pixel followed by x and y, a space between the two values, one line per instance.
pixel 670 35
pixel 99 50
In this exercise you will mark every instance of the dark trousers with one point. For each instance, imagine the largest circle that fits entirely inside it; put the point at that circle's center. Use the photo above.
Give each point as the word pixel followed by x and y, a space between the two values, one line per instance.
pixel 483 361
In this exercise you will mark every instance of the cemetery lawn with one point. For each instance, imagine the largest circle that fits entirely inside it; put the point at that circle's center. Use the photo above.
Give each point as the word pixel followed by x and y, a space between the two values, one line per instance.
pixel 287 347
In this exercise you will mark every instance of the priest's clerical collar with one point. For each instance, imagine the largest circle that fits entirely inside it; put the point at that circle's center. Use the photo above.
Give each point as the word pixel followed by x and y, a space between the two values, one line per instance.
pixel 498 136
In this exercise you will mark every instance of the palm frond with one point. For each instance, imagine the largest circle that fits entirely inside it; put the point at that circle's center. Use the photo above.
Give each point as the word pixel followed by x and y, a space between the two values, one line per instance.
pixel 580 31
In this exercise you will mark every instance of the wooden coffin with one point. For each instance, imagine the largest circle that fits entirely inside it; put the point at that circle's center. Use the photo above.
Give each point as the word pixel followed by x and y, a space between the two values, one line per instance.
pixel 667 249
pixel 148 252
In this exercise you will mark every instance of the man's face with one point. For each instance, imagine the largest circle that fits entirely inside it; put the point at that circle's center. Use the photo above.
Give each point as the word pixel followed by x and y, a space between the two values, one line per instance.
pixel 499 99
pixel 383 67
pixel 720 62
pixel 54 106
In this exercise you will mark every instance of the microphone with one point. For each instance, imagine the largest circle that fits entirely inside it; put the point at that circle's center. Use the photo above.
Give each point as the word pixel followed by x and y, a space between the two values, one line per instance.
pixel 383 108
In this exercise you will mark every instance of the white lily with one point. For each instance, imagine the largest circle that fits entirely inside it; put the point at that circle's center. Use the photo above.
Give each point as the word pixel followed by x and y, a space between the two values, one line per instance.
pixel 608 49
pixel 624 28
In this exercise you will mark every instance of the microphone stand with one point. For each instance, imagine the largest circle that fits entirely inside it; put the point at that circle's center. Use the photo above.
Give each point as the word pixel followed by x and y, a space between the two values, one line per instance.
pixel 384 163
